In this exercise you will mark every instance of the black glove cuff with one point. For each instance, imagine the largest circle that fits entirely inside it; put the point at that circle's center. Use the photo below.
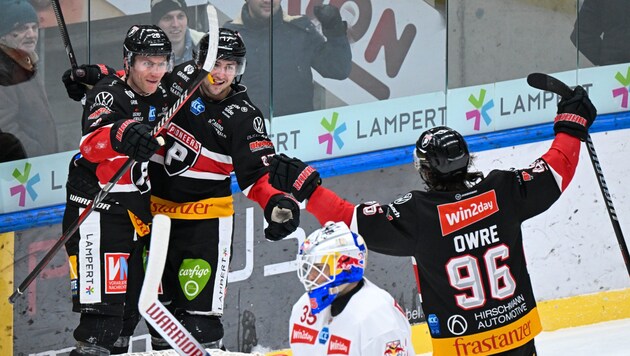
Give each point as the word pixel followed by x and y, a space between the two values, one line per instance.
pixel 307 181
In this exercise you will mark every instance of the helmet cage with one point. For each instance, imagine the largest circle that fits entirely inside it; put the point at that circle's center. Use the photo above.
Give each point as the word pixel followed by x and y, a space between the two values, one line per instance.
pixel 329 258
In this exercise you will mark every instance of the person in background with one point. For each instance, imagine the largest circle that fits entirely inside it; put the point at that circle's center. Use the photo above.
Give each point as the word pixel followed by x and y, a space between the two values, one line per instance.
pixel 12 148
pixel 464 231
pixel 602 32
pixel 297 47
pixel 342 312
pixel 172 17
pixel 24 107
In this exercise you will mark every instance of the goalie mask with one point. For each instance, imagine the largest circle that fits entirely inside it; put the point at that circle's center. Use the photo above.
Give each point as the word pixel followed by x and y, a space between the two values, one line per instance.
pixel 441 155
pixel 328 259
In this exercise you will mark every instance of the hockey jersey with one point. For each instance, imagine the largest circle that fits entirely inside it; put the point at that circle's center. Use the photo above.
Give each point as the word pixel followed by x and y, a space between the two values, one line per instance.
pixel 371 324
pixel 110 100
pixel 473 279
pixel 205 142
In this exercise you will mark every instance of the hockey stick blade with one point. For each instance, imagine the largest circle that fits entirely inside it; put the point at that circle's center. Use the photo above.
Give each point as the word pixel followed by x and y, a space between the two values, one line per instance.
pixel 546 82
pixel 74 226
pixel 154 312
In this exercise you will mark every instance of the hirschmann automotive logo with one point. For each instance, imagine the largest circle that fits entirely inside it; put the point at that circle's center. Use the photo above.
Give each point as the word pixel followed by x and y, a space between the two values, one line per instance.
pixel 623 90
pixel 481 109
pixel 26 185
pixel 334 133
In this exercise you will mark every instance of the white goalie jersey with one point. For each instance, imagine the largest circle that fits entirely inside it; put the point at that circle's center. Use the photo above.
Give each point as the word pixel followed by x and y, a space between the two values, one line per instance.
pixel 371 324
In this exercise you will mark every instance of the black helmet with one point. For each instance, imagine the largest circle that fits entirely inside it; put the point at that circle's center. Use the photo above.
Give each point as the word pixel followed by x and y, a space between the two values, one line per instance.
pixel 146 40
pixel 231 47
pixel 441 155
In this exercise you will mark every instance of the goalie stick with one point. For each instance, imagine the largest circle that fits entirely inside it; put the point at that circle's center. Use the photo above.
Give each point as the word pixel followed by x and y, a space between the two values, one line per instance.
pixel 213 30
pixel 154 312
pixel 546 82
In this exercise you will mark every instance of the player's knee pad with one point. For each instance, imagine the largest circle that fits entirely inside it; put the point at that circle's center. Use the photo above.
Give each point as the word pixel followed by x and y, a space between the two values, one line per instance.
pixel 204 328
pixel 97 330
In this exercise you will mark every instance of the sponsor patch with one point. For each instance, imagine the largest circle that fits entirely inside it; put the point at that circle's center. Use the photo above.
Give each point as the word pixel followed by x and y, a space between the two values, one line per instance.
pixel 98 112
pixel 104 99
pixel 197 107
pixel 338 346
pixel 151 113
pixel 193 275
pixel 303 335
pixel 260 145
pixel 116 272
pixel 455 216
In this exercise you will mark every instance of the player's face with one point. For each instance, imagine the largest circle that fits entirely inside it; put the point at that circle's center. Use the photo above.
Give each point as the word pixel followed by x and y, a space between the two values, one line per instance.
pixel 263 9
pixel 319 274
pixel 146 73
pixel 23 37
pixel 223 74
pixel 174 23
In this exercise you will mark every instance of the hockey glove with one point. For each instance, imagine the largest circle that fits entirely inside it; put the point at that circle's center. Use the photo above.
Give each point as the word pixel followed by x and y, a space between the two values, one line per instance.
pixel 283 216
pixel 133 139
pixel 330 18
pixel 293 176
pixel 76 80
pixel 575 114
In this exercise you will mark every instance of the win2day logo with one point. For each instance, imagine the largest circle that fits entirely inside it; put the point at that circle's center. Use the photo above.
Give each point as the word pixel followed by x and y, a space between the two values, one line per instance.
pixel 334 133
pixel 623 90
pixel 26 184
pixel 481 109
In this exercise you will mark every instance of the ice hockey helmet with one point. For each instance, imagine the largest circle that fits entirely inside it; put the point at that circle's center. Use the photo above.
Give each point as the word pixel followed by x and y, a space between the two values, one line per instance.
pixel 231 47
pixel 328 259
pixel 146 40
pixel 441 154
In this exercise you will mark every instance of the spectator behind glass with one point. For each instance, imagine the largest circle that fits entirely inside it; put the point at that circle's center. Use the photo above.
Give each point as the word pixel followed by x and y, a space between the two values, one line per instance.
pixel 24 110
pixel 602 31
pixel 172 17
pixel 297 47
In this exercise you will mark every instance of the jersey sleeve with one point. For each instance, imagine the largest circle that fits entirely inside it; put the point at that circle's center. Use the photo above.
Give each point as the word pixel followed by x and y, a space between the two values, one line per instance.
pixel 538 186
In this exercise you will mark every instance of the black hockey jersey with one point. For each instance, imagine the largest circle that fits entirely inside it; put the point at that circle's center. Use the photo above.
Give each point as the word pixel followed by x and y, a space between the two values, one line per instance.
pixel 205 142
pixel 109 101
pixel 473 279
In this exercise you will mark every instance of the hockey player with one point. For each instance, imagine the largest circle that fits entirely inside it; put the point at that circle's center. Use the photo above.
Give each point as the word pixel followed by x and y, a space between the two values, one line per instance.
pixel 218 131
pixel 342 312
pixel 464 232
pixel 105 254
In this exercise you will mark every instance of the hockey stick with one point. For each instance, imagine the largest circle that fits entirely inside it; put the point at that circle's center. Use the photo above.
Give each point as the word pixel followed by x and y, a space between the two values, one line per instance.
pixel 61 23
pixel 206 68
pixel 154 312
pixel 549 83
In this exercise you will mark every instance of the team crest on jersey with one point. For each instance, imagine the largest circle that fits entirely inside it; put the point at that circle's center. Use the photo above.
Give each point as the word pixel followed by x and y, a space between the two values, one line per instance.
pixel 197 107
pixel 116 273
pixel 394 348
pixel 182 150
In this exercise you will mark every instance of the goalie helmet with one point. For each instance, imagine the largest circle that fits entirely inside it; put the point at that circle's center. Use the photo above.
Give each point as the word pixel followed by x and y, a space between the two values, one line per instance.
pixel 441 155
pixel 147 40
pixel 231 47
pixel 328 259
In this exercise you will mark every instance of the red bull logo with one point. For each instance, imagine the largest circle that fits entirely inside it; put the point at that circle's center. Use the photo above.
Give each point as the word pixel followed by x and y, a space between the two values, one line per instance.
pixel 346 262
pixel 394 349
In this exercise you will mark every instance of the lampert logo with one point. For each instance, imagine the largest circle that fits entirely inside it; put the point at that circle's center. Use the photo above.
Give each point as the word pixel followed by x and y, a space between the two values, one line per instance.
pixel 481 109
pixel 26 184
pixel 334 133
pixel 623 90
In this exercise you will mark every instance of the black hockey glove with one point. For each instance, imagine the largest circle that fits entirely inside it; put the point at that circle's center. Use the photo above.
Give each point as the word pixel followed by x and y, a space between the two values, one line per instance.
pixel 133 139
pixel 76 80
pixel 330 18
pixel 283 216
pixel 575 114
pixel 293 176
